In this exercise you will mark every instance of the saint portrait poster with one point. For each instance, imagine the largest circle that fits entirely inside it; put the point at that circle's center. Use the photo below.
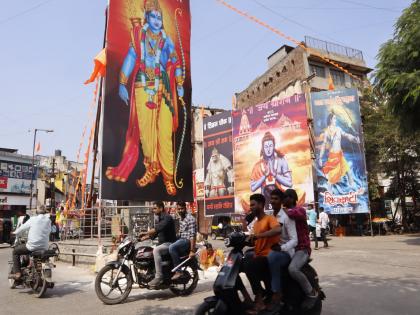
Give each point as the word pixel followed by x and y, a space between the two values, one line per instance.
pixel 340 157
pixel 146 144
pixel 271 150
pixel 218 164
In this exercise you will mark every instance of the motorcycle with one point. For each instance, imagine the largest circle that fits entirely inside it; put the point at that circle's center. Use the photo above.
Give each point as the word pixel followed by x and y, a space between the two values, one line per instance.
pixel 228 284
pixel 36 270
pixel 136 264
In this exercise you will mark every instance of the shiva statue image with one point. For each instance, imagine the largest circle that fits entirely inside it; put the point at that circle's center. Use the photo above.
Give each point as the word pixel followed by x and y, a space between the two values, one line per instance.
pixel 336 166
pixel 272 170
pixel 151 82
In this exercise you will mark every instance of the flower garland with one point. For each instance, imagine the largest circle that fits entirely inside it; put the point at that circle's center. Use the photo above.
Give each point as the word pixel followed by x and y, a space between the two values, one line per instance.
pixel 151 92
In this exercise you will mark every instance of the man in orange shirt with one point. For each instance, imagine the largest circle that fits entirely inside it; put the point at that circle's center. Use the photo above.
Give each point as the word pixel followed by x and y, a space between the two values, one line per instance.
pixel 266 234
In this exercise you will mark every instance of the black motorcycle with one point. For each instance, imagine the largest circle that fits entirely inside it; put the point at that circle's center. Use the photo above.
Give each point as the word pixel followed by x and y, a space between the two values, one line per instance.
pixel 36 270
pixel 228 284
pixel 136 264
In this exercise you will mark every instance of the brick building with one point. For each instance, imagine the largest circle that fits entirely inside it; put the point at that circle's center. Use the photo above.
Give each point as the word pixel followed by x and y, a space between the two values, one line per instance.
pixel 294 70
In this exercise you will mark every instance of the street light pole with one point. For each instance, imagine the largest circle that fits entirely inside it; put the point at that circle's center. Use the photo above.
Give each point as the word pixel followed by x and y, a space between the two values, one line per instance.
pixel 33 163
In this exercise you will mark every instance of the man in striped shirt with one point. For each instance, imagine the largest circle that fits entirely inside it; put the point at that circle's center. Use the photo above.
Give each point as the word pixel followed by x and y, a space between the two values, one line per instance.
pixel 186 241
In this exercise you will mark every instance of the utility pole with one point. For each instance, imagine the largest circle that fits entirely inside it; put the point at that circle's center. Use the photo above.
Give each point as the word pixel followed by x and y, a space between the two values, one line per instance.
pixel 52 184
pixel 33 165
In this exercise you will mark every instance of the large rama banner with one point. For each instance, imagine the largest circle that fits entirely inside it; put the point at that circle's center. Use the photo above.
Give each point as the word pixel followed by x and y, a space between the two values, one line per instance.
pixel 218 160
pixel 272 150
pixel 146 150
pixel 340 163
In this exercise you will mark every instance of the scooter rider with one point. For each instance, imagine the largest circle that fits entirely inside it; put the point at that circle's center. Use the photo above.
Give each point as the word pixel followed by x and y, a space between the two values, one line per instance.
pixel 187 235
pixel 303 248
pixel 266 232
pixel 39 231
pixel 165 231
pixel 282 254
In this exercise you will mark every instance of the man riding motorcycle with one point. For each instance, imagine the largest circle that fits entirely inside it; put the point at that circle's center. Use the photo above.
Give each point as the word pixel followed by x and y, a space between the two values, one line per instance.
pixel 39 231
pixel 186 241
pixel 165 231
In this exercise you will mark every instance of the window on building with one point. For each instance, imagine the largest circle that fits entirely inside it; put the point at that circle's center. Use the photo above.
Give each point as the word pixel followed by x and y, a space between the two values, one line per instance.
pixel 338 77
pixel 318 70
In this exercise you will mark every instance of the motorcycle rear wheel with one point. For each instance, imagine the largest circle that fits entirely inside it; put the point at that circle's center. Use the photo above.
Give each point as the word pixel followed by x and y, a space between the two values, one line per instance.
pixel 206 308
pixel 39 285
pixel 105 297
pixel 185 289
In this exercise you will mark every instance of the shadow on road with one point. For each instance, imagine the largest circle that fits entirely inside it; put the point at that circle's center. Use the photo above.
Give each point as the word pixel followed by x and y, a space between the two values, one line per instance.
pixel 414 239
pixel 392 295
pixel 159 310
pixel 163 295
pixel 59 290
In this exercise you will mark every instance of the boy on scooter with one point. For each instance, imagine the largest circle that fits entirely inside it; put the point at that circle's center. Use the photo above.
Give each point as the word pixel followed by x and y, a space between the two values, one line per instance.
pixel 303 248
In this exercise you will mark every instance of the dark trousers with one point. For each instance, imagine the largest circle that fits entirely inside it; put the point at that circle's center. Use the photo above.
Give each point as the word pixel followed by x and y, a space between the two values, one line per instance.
pixel 17 251
pixel 324 237
pixel 313 230
pixel 257 269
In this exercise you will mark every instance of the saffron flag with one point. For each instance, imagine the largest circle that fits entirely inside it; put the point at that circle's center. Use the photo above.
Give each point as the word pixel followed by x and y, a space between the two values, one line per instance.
pixel 100 66
pixel 38 147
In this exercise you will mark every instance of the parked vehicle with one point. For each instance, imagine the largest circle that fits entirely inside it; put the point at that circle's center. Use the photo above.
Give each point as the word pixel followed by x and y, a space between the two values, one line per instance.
pixel 225 223
pixel 226 287
pixel 135 264
pixel 36 269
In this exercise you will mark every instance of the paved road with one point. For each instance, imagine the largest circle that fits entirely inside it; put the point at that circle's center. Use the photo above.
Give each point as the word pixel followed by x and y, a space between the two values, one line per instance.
pixel 378 276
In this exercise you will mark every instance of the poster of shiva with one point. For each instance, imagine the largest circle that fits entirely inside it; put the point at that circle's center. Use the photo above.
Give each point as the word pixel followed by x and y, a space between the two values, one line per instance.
pixel 146 143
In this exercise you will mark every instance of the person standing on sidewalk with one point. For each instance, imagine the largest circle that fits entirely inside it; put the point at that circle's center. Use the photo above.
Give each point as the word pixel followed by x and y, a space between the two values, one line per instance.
pixel 324 220
pixel 312 218
pixel 187 238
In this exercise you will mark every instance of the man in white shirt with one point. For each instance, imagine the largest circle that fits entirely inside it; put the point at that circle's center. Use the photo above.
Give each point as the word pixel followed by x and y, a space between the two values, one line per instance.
pixel 280 258
pixel 324 220
pixel 39 231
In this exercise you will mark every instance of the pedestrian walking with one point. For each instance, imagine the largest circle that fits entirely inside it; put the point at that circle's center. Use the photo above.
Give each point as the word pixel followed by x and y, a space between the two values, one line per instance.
pixel 312 218
pixel 324 221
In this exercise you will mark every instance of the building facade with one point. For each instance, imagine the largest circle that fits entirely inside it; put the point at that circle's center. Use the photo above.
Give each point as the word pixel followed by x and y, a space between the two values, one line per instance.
pixel 295 70
pixel 15 180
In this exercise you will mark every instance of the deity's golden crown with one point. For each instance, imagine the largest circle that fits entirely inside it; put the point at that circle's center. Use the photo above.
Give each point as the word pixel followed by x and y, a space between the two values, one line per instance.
pixel 151 5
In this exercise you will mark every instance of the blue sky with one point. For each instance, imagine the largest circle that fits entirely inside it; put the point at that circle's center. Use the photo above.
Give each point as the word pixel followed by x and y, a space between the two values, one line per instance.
pixel 48 46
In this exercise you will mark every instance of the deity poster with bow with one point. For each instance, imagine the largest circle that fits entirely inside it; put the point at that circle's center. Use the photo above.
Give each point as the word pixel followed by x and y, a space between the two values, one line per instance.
pixel 340 156
pixel 146 147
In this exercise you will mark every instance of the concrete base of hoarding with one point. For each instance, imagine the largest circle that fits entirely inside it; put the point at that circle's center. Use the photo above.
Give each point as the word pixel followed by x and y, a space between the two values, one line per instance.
pixel 86 253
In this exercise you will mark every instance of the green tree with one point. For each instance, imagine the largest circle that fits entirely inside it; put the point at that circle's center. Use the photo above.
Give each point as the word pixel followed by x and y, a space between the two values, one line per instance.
pixel 389 152
pixel 398 69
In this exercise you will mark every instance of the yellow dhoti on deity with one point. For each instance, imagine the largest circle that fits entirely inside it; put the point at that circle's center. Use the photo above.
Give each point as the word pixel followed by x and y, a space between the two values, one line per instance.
pixel 155 125
pixel 335 167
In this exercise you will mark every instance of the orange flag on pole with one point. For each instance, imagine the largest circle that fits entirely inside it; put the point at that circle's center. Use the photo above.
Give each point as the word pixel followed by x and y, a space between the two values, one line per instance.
pixel 100 66
pixel 38 147
pixel 331 86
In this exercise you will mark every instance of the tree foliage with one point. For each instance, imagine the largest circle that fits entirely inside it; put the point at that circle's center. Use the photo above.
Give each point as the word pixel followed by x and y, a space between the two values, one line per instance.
pixel 398 69
pixel 389 152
